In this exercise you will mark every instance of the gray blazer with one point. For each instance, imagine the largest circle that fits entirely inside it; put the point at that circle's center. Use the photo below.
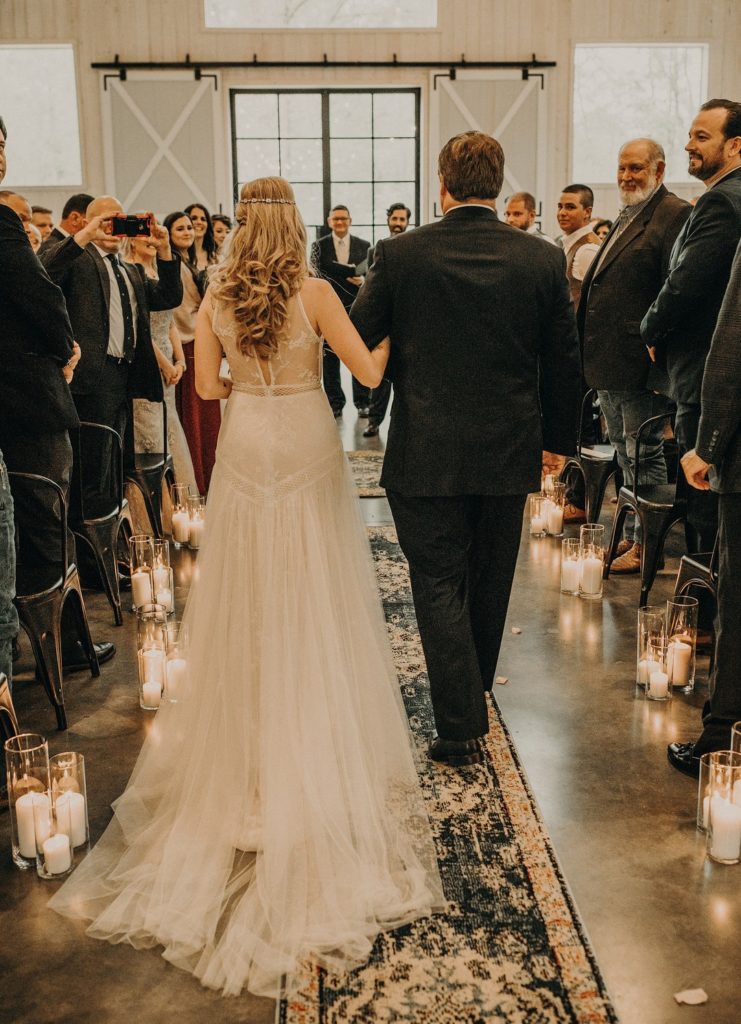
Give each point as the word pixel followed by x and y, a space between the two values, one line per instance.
pixel 719 433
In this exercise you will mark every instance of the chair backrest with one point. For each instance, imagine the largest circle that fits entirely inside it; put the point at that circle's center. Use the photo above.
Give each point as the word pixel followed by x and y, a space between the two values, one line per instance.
pixel 32 486
pixel 8 721
pixel 642 430
pixel 589 400
pixel 91 435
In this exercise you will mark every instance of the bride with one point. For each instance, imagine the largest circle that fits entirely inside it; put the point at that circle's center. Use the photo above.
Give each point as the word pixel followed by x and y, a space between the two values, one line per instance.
pixel 274 812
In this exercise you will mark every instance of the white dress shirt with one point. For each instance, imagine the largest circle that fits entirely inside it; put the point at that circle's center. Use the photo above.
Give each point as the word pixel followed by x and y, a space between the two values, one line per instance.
pixel 115 312
pixel 342 248
pixel 585 254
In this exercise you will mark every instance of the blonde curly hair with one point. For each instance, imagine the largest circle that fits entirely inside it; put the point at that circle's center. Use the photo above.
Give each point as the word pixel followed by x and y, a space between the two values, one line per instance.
pixel 265 266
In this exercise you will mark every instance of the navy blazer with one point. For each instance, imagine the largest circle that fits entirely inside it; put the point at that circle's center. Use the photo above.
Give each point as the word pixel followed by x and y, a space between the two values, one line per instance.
pixel 82 276
pixel 35 341
pixel 719 433
pixel 484 355
pixel 681 321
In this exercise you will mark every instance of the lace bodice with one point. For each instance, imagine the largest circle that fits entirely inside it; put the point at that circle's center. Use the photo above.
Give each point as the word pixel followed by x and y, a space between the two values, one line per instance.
pixel 294 367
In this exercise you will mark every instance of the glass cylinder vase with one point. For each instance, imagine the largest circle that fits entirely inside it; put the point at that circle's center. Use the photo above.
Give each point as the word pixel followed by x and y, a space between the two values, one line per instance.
pixel 151 645
pixel 681 632
pixel 54 855
pixel 570 565
pixel 176 666
pixel 163 582
pixel 554 509
pixel 196 521
pixel 703 793
pixel 180 493
pixel 724 818
pixel 141 557
pixel 658 687
pixel 69 796
pixel 27 769
pixel 592 560
pixel 651 628
pixel 537 515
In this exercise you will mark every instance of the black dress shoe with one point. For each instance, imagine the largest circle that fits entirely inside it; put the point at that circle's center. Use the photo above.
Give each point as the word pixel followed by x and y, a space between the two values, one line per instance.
pixel 682 757
pixel 371 430
pixel 75 660
pixel 456 752
pixel 363 412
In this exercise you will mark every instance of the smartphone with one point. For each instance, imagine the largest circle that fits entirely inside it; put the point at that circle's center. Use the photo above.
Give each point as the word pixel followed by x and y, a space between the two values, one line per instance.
pixel 131 225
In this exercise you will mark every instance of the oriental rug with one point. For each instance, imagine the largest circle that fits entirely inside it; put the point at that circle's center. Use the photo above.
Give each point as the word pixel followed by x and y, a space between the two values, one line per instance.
pixel 510 946
pixel 366 468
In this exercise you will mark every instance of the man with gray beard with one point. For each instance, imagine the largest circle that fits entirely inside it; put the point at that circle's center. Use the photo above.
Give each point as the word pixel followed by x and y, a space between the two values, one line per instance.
pixel 618 288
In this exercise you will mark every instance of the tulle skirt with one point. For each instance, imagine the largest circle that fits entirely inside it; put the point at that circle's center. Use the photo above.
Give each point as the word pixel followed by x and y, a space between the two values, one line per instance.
pixel 274 812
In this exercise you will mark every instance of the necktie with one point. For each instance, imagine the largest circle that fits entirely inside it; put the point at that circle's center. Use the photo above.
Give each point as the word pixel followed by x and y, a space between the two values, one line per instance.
pixel 128 316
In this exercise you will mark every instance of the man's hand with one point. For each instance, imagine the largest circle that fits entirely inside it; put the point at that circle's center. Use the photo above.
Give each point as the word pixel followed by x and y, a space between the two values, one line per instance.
pixel 357 281
pixel 651 353
pixel 696 470
pixel 94 229
pixel 161 238
pixel 68 370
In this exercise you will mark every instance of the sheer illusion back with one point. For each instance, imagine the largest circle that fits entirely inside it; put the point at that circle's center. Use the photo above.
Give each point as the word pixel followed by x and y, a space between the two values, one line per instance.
pixel 274 812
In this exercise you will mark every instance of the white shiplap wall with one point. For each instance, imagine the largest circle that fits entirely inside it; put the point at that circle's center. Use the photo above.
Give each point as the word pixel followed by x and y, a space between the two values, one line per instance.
pixel 481 29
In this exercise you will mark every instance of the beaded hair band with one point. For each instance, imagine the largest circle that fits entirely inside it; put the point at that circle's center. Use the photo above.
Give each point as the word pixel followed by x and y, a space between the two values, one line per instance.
pixel 285 202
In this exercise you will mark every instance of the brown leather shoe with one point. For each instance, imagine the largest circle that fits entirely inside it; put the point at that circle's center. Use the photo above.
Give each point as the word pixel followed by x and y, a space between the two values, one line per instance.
pixel 629 562
pixel 623 546
pixel 572 514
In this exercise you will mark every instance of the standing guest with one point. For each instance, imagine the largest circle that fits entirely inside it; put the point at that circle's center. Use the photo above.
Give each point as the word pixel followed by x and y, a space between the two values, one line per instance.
pixel 222 225
pixel 38 356
pixel 679 325
pixel 34 236
pixel 618 288
pixel 41 216
pixel 109 303
pixel 715 462
pixel 330 257
pixel 200 418
pixel 168 351
pixel 74 213
pixel 463 454
pixel 397 219
pixel 203 252
pixel 521 212
pixel 602 229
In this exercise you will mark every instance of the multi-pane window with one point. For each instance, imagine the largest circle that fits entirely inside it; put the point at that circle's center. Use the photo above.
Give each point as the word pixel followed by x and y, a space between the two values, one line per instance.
pixel 39 107
pixel 338 14
pixel 623 92
pixel 359 148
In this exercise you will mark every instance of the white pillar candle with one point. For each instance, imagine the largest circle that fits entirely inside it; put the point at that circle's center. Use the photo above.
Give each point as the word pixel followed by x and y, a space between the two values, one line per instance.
pixel 180 527
pixel 32 820
pixel 152 694
pixel 679 656
pixel 555 519
pixel 57 854
pixel 164 597
pixel 161 578
pixel 570 574
pixel 705 812
pixel 195 532
pixel 737 792
pixel 591 575
pixel 548 484
pixel 177 669
pixel 153 666
pixel 725 822
pixel 537 524
pixel 643 671
pixel 141 588
pixel 658 685
pixel 71 817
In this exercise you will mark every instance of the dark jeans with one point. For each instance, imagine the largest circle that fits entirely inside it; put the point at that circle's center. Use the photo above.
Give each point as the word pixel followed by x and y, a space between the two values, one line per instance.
pixel 462 553
pixel 8 614
pixel 724 706
pixel 379 402
pixel 333 384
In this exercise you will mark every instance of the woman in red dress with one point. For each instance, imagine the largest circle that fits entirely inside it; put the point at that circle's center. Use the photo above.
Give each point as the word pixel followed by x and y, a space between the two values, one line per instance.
pixel 200 419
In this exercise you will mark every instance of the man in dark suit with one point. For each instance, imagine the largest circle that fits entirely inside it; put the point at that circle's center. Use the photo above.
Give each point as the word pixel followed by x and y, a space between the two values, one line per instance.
pixel 38 355
pixel 679 325
pixel 330 256
pixel 72 220
pixel 619 286
pixel 108 304
pixel 397 219
pixel 485 366
pixel 717 456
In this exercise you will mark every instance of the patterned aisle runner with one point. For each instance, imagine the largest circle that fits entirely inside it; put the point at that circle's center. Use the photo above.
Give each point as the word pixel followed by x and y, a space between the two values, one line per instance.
pixel 510 947
pixel 366 468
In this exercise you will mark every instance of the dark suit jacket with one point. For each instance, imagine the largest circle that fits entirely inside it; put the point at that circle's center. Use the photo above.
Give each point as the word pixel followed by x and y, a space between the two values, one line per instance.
pixel 35 341
pixel 55 237
pixel 323 256
pixel 83 278
pixel 681 321
pixel 615 297
pixel 480 321
pixel 719 433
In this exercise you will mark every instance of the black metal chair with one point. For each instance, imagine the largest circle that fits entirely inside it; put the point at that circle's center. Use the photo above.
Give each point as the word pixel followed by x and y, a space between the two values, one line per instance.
pixel 658 506
pixel 40 604
pixel 150 470
pixel 698 570
pixel 8 719
pixel 596 463
pixel 101 528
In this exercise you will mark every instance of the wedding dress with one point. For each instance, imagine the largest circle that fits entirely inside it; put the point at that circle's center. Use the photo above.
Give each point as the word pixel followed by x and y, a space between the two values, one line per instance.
pixel 274 812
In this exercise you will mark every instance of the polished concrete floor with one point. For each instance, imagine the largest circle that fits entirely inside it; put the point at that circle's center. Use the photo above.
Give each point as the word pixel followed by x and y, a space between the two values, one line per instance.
pixel 660 917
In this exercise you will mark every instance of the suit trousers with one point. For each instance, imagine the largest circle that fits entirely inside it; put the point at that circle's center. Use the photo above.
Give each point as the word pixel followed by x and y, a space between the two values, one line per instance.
pixel 462 553
pixel 108 405
pixel 8 614
pixel 724 706
pixel 379 402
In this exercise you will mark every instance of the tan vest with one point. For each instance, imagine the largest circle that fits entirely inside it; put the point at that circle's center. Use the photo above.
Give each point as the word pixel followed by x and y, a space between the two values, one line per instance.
pixel 574 285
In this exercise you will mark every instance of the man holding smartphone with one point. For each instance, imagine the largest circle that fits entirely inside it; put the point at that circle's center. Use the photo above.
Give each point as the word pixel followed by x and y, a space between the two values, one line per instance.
pixel 109 303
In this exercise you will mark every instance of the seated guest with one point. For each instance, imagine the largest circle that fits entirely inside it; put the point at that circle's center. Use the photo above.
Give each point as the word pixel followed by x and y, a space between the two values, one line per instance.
pixel 222 225
pixel 73 218
pixel 38 355
pixel 42 218
pixel 521 212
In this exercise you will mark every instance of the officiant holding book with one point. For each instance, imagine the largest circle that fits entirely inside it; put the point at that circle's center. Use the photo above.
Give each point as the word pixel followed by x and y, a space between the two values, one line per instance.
pixel 335 257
